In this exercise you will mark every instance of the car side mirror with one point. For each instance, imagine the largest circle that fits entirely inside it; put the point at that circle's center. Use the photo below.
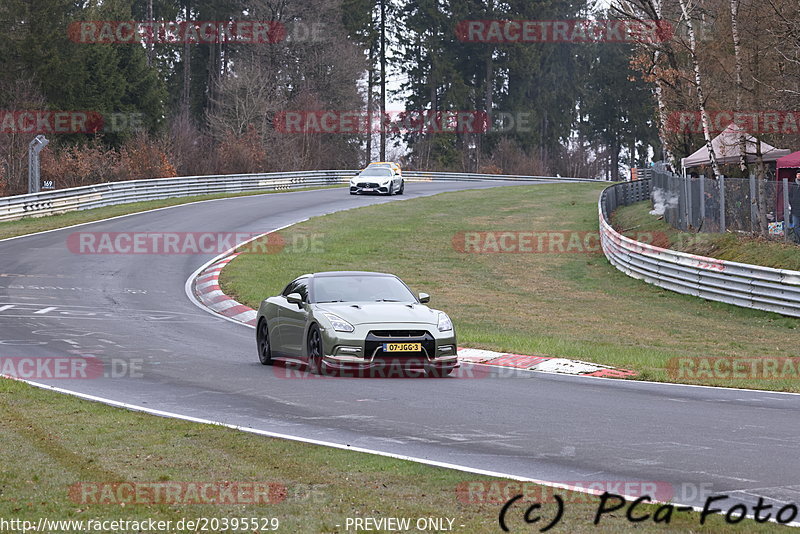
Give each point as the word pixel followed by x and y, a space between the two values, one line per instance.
pixel 424 298
pixel 295 298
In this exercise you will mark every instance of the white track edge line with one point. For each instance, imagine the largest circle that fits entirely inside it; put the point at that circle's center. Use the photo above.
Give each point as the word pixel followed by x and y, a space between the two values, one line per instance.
pixel 188 289
pixel 343 446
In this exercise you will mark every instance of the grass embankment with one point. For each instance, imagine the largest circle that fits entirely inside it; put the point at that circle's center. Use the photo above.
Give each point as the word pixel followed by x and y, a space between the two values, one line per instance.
pixel 571 304
pixel 636 218
pixel 30 225
pixel 52 442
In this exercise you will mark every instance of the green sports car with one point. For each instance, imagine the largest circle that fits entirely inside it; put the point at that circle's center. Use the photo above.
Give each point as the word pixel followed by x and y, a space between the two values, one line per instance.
pixel 352 323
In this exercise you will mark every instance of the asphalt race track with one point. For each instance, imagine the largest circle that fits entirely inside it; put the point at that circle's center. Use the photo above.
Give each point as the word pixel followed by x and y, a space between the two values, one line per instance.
pixel 133 308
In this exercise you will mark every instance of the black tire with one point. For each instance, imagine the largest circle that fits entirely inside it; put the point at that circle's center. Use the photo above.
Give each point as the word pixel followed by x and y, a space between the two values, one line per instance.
pixel 262 342
pixel 402 187
pixel 391 189
pixel 314 347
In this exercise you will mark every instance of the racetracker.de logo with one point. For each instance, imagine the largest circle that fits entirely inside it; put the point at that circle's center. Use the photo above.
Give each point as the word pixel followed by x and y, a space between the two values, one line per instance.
pixel 389 368
pixel 37 121
pixel 539 242
pixel 176 32
pixel 733 368
pixel 774 122
pixel 219 493
pixel 188 242
pixel 500 491
pixel 393 122
pixel 563 31
pixel 68 367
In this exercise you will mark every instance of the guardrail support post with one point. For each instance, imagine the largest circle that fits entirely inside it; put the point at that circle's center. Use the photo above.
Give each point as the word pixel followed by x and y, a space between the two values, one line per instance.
pixel 786 218
pixel 34 147
pixel 702 200
pixel 722 204
pixel 753 204
pixel 689 203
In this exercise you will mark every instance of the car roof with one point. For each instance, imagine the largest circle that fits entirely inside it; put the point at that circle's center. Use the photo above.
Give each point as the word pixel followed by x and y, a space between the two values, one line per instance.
pixel 327 274
pixel 387 167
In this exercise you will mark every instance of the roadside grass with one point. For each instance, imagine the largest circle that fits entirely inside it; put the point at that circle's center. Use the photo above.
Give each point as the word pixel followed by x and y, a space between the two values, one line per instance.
pixel 729 246
pixel 52 442
pixel 30 225
pixel 562 304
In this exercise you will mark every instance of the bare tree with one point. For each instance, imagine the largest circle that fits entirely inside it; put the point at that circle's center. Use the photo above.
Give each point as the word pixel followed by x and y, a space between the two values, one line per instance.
pixel 662 64
pixel 737 51
pixel 659 90
pixel 786 43
pixel 698 79
pixel 247 98
pixel 17 95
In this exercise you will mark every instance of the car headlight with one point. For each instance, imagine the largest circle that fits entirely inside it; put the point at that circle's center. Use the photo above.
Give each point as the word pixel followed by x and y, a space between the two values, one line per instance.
pixel 444 323
pixel 339 324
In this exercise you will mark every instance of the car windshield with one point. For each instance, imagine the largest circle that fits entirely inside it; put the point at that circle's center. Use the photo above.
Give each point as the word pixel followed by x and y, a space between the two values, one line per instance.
pixel 376 171
pixel 355 288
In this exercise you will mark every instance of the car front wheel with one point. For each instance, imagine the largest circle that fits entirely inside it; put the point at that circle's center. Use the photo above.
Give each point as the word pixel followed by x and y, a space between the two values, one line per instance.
pixel 402 187
pixel 314 350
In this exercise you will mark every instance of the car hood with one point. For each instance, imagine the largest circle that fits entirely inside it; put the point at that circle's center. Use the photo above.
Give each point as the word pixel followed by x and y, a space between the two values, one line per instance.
pixel 372 179
pixel 380 312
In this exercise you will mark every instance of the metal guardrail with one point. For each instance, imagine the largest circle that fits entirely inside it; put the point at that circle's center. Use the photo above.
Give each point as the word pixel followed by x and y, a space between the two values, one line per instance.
pixel 112 193
pixel 740 284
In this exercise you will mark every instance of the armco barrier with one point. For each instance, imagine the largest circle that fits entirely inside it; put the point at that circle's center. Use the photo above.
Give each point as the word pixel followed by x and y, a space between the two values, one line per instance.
pixel 740 284
pixel 108 194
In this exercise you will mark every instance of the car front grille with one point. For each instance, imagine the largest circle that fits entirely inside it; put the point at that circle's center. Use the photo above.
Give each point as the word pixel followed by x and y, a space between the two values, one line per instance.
pixel 375 339
pixel 368 184
pixel 398 333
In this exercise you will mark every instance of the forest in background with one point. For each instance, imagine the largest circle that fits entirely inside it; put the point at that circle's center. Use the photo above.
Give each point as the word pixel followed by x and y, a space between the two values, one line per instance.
pixel 590 109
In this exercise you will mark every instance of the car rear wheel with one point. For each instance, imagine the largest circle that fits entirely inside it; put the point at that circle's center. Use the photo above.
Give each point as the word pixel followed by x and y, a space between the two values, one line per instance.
pixel 314 350
pixel 262 341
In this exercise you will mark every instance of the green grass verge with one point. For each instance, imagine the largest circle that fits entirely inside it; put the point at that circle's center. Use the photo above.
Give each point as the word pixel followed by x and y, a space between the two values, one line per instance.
pixel 572 305
pixel 636 218
pixel 52 442
pixel 30 225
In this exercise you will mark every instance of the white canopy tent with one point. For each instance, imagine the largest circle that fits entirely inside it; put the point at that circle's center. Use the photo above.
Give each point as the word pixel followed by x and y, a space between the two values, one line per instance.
pixel 726 149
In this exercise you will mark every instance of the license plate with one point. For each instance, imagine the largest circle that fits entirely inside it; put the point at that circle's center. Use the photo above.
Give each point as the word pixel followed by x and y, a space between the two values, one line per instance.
pixel 402 347
pixel 368 189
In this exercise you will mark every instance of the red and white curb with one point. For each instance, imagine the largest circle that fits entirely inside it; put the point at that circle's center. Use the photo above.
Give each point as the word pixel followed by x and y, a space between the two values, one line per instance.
pixel 206 288
pixel 546 364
